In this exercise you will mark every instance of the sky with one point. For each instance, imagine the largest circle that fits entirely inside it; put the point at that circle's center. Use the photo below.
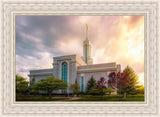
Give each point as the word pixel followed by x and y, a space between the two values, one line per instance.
pixel 117 39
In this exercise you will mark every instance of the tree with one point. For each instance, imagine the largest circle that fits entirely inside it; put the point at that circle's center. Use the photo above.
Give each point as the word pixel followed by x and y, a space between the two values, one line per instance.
pixel 75 87
pixel 32 89
pixel 32 81
pixel 141 89
pixel 91 84
pixel 101 85
pixel 110 90
pixel 21 85
pixel 123 82
pixel 113 79
pixel 94 91
pixel 50 84
pixel 119 81
pixel 133 78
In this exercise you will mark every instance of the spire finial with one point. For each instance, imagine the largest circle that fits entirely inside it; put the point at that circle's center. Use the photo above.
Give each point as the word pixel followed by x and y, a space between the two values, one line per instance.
pixel 87 26
pixel 87 31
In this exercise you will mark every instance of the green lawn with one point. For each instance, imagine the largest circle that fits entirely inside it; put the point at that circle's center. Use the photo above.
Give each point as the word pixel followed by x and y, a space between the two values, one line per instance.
pixel 111 99
pixel 39 98
pixel 82 98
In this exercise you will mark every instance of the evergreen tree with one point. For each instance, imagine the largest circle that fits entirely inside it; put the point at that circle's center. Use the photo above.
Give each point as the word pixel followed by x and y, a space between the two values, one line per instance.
pixel 133 78
pixel 141 89
pixel 91 84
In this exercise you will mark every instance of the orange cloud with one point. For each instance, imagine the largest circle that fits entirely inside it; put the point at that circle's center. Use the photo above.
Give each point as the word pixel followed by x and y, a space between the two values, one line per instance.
pixel 124 43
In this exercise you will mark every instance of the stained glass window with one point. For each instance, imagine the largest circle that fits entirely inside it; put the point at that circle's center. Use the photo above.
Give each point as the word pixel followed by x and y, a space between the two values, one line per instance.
pixel 64 74
pixel 82 83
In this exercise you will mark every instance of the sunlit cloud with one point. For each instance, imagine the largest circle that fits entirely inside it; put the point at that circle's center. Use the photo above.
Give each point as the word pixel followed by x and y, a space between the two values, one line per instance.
pixel 69 45
pixel 141 78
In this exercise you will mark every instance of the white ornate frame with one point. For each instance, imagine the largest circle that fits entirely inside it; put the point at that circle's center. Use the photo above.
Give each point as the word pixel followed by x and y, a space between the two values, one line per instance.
pixel 147 8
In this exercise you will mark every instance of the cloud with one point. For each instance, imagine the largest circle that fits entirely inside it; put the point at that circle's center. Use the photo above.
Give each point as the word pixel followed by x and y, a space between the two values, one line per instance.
pixel 24 64
pixel 69 45
pixel 123 43
pixel 141 78
pixel 114 39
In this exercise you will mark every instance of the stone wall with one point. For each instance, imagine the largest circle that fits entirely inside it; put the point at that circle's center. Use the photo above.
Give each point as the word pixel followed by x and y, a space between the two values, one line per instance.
pixel 96 76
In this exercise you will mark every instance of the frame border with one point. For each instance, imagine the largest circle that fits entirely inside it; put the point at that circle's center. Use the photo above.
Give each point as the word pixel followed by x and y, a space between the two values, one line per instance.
pixel 9 9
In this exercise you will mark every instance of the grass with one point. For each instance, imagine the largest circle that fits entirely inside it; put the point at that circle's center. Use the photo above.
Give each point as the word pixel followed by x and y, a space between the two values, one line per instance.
pixel 39 98
pixel 83 98
pixel 110 99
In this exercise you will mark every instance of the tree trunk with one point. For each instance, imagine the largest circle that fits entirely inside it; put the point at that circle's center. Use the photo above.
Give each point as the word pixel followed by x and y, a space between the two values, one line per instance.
pixel 125 95
pixel 49 92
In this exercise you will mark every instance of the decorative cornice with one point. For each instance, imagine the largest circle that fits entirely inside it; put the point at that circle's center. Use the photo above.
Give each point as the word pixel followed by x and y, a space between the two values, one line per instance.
pixel 40 74
pixel 97 70
pixel 40 70
pixel 99 64
pixel 65 56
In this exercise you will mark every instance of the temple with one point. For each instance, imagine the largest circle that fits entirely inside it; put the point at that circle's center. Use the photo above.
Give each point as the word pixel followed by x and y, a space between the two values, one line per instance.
pixel 71 67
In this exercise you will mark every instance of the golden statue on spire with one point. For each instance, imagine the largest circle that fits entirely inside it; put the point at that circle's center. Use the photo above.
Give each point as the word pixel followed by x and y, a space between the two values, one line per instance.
pixel 87 26
pixel 87 31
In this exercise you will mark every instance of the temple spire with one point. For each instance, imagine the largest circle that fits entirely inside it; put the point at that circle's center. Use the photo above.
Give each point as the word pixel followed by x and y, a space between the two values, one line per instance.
pixel 86 31
pixel 87 49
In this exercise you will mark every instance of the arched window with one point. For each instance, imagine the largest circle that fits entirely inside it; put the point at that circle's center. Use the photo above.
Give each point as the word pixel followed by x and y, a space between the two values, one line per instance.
pixel 64 74
pixel 82 83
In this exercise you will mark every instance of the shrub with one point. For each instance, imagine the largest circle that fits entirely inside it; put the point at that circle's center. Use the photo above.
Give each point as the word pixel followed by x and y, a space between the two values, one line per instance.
pixel 94 91
pixel 110 90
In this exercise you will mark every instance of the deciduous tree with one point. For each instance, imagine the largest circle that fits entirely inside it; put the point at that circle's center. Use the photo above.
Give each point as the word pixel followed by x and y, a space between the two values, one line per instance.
pixel 75 87
pixel 109 90
pixel 94 91
pixel 21 85
pixel 113 79
pixel 50 84
pixel 123 82
pixel 119 81
pixel 101 85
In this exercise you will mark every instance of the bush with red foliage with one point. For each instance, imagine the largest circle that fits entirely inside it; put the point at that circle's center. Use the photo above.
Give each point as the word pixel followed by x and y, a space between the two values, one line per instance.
pixel 118 80
pixel 101 85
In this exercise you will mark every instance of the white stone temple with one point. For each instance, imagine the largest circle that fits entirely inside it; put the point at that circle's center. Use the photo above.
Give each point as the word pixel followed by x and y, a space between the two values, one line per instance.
pixel 71 67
